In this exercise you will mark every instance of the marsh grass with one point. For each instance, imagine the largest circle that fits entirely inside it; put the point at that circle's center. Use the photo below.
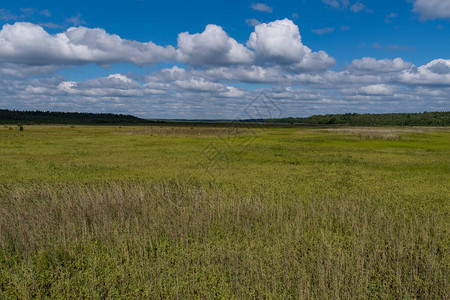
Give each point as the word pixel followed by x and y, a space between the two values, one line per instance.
pixel 197 131
pixel 93 212
pixel 381 130
pixel 381 137
pixel 176 240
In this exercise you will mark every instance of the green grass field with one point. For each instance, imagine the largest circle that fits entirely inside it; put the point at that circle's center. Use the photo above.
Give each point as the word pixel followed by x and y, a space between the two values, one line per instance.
pixel 198 212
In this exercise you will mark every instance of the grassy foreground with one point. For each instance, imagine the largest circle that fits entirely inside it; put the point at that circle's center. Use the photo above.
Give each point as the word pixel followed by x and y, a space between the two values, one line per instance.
pixel 160 212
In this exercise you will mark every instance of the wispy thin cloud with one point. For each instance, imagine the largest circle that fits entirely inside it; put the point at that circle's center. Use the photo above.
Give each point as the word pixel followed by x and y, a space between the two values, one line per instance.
pixel 75 20
pixel 262 7
pixel 357 7
pixel 6 15
pixel 45 12
pixel 336 3
pixel 321 31
pixel 389 17
pixel 252 22
pixel 28 11
pixel 345 4
pixel 50 25
pixel 392 47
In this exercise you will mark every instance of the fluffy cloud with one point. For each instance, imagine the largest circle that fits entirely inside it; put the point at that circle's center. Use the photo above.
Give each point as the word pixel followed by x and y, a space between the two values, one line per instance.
pixel 378 89
pixel 188 93
pixel 114 85
pixel 313 62
pixel 28 50
pixel 12 70
pixel 277 41
pixel 219 78
pixel 212 47
pixel 432 9
pixel 368 65
pixel 200 85
pixel 435 73
pixel 250 74
pixel 280 43
pixel 29 44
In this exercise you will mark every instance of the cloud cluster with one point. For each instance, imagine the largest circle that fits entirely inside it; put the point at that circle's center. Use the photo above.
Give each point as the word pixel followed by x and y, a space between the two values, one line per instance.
pixel 210 74
pixel 212 47
pixel 274 43
pixel 30 44
pixel 279 43
pixel 366 85
pixel 435 73
pixel 369 65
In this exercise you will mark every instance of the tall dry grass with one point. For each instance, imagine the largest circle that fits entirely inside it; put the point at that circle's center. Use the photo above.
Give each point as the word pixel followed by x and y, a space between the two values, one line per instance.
pixel 179 240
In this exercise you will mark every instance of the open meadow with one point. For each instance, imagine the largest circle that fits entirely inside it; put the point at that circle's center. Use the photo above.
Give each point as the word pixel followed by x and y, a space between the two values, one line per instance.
pixel 215 212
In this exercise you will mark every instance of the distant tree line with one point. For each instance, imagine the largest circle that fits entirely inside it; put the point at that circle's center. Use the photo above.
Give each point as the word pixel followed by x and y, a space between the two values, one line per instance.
pixel 48 117
pixel 393 119
pixel 351 119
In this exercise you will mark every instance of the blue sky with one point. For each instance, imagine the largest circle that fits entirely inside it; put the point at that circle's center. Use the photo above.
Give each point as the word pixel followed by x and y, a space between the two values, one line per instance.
pixel 210 59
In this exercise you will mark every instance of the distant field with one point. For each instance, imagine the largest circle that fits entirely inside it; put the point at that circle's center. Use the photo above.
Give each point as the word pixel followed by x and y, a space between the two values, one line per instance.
pixel 224 212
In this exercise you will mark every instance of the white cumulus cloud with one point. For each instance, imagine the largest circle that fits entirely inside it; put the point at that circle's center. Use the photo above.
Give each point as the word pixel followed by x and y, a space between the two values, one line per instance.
pixel 369 65
pixel 212 47
pixel 280 43
pixel 435 73
pixel 29 50
pixel 378 89
pixel 277 41
pixel 30 44
pixel 210 74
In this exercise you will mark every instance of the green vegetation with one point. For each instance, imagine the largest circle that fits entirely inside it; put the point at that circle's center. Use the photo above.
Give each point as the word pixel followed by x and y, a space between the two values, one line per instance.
pixel 395 119
pixel 47 117
pixel 209 212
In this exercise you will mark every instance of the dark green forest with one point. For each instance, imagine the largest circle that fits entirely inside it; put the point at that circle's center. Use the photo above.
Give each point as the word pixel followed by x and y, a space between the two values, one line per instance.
pixel 349 119
pixel 47 117
pixel 393 119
